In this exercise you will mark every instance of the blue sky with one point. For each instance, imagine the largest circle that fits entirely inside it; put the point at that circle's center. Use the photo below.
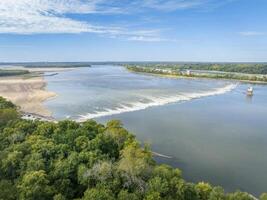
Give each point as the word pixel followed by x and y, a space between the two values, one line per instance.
pixel 133 30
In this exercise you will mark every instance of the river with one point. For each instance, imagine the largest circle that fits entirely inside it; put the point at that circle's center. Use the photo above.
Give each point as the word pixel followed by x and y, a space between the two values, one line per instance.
pixel 211 130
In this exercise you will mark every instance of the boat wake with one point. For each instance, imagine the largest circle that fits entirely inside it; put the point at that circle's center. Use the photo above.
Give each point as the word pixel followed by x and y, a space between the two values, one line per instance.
pixel 156 101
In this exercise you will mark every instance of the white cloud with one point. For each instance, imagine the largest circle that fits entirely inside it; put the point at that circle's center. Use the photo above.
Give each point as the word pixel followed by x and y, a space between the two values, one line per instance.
pixel 45 16
pixel 150 39
pixel 49 16
pixel 252 33
pixel 52 16
pixel 129 6
pixel 171 5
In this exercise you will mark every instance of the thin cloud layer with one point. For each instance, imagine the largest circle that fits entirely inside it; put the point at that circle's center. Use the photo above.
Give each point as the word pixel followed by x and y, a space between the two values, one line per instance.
pixel 53 16
pixel 171 5
pixel 252 33
pixel 45 16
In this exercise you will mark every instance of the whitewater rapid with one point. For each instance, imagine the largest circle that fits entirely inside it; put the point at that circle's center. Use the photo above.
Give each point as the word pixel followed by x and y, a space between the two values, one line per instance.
pixel 155 101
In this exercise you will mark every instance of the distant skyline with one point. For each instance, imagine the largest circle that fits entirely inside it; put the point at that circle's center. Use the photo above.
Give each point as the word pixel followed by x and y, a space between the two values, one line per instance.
pixel 133 30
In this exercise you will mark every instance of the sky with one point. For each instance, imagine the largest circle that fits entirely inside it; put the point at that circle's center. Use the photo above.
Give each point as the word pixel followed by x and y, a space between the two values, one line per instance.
pixel 133 30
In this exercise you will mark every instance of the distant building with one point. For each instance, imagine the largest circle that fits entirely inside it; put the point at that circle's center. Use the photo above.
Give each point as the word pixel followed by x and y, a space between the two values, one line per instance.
pixel 188 72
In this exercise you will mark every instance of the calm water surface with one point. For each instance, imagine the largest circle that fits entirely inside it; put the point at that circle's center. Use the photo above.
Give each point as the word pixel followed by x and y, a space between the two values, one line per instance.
pixel 218 138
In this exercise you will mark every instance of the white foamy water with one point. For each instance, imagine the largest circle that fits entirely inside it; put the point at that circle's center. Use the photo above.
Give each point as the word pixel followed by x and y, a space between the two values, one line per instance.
pixel 155 101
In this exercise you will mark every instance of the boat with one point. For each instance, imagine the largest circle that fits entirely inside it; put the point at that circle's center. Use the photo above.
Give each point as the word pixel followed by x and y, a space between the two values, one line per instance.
pixel 250 91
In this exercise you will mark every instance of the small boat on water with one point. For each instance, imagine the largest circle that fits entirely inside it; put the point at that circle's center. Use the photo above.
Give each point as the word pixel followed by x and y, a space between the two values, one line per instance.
pixel 250 91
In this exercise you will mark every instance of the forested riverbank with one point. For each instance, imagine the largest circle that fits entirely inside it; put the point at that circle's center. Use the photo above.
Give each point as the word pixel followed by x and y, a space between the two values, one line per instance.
pixel 243 72
pixel 69 160
pixel 246 68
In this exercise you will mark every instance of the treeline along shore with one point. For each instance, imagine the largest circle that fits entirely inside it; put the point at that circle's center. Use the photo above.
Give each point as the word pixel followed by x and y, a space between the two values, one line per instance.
pixel 87 161
pixel 243 72
pixel 17 72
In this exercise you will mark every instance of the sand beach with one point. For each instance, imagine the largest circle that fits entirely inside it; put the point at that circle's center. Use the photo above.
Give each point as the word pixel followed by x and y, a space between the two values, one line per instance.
pixel 27 93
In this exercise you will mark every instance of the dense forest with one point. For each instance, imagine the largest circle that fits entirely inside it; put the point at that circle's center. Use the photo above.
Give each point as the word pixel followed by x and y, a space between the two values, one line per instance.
pixel 90 161
pixel 55 65
pixel 163 70
pixel 5 72
pixel 248 68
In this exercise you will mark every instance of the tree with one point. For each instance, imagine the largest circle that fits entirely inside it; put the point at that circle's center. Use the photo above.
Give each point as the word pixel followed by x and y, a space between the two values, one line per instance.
pixel 186 191
pixel 203 190
pixel 10 164
pixel 59 197
pixel 7 115
pixel 159 185
pixel 153 196
pixel 135 166
pixel 263 196
pixel 98 194
pixel 217 193
pixel 239 196
pixel 35 185
pixel 167 172
pixel 5 104
pixel 8 112
pixel 125 195
pixel 115 130
pixel 7 190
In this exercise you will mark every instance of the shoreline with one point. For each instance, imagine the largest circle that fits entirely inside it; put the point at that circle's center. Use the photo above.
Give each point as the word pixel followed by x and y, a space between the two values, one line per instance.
pixel 28 93
pixel 195 77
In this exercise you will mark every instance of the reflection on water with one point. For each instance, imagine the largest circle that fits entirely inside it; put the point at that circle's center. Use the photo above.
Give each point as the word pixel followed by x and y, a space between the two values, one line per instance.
pixel 249 98
pixel 221 139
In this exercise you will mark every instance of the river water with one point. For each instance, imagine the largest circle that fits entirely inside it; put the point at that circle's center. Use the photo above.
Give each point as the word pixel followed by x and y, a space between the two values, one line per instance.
pixel 211 130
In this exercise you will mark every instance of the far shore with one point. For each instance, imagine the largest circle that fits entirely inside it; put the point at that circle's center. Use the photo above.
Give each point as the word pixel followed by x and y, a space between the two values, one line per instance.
pixel 38 69
pixel 166 75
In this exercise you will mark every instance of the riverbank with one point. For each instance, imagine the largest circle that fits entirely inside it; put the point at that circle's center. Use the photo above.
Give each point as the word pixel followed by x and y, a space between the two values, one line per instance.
pixel 27 93
pixel 28 90
pixel 192 74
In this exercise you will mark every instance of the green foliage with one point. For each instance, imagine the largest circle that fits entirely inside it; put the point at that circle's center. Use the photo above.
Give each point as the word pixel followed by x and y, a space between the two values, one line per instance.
pixel 7 190
pixel 6 72
pixel 8 112
pixel 69 160
pixel 239 196
pixel 248 68
pixel 263 196
pixel 98 194
pixel 203 190
pixel 246 72
pixel 55 64
pixel 34 185
pixel 124 194
pixel 153 196
pixel 4 104
pixel 217 193
pixel 7 115
pixel 59 197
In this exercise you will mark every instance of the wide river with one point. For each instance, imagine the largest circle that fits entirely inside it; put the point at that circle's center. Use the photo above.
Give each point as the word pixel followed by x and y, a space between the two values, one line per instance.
pixel 209 129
